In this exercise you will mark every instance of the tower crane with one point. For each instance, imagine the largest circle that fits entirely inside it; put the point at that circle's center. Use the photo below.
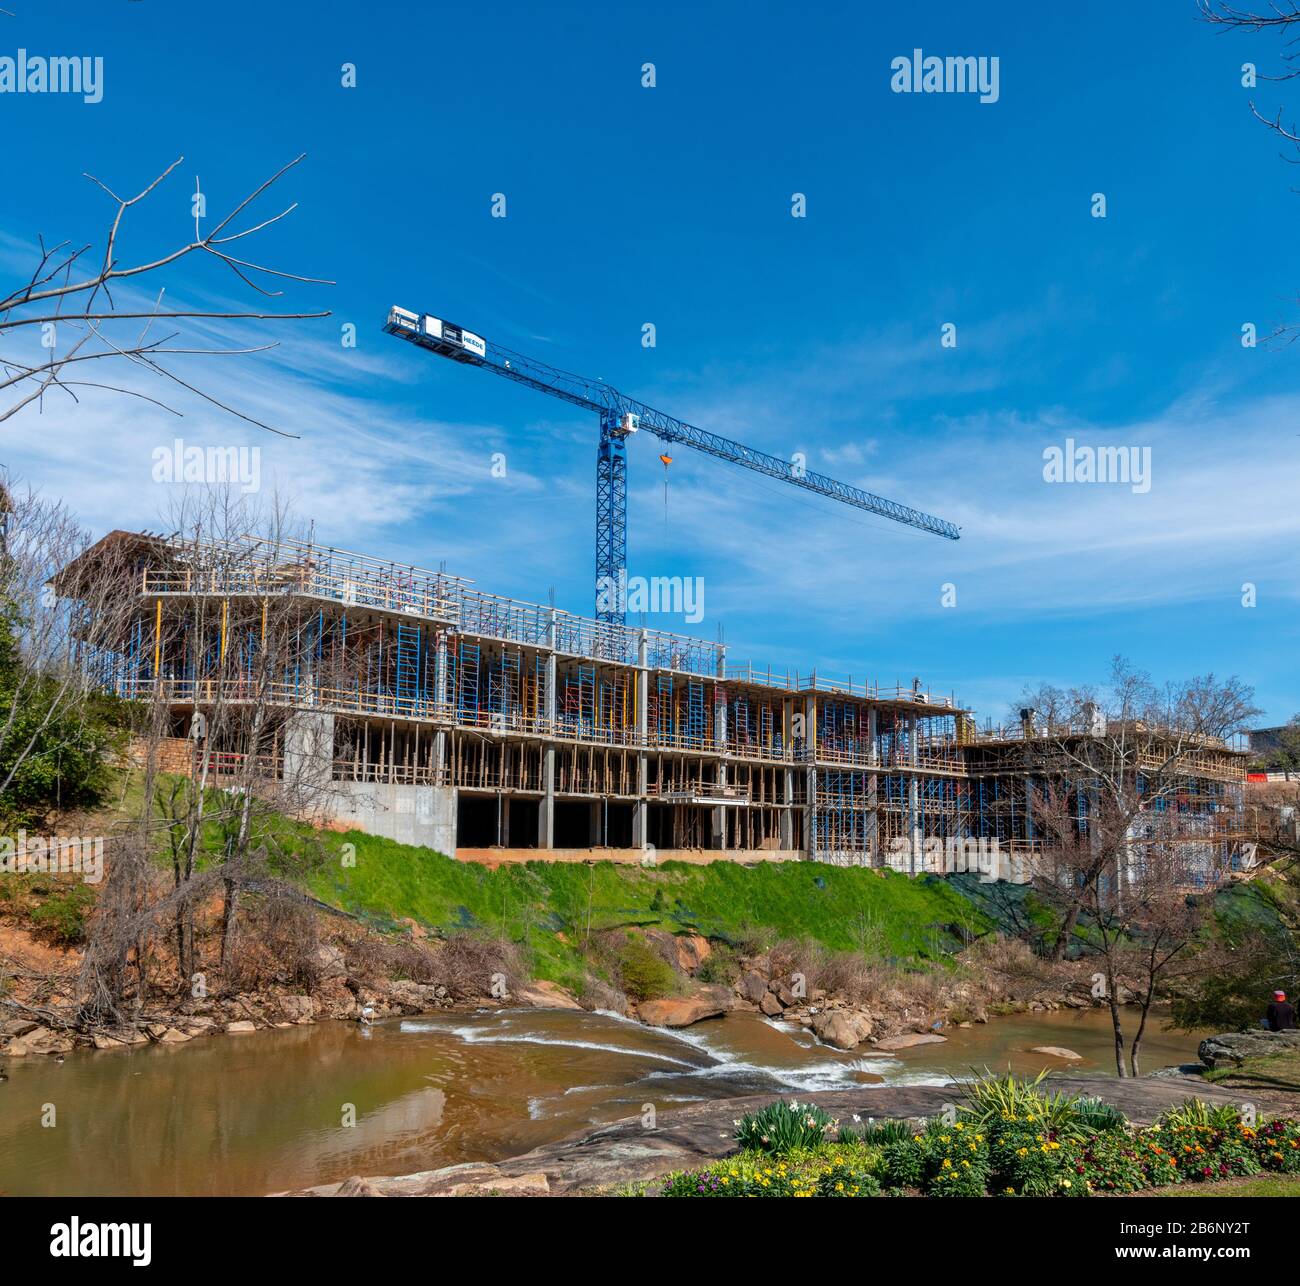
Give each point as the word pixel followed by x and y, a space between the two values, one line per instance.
pixel 620 418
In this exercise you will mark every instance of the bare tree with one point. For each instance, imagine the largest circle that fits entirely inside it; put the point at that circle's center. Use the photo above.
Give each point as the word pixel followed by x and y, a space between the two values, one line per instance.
pixel 219 776
pixel 1281 17
pixel 1123 832
pixel 64 296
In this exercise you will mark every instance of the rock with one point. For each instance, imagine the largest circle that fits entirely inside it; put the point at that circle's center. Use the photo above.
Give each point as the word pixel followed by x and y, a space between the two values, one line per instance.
pixel 909 1039
pixel 842 1028
pixel 518 1185
pixel 297 1009
pixel 692 951
pixel 770 1005
pixel 18 1027
pixel 334 999
pixel 198 1026
pixel 40 1040
pixel 544 995
pixel 173 1037
pixel 356 1186
pixel 411 997
pixel 1056 1051
pixel 786 996
pixel 102 1040
pixel 753 986
pixel 330 962
pixel 1232 1048
pixel 470 1179
pixel 156 1030
pixel 241 1025
pixel 600 995
pixel 682 1011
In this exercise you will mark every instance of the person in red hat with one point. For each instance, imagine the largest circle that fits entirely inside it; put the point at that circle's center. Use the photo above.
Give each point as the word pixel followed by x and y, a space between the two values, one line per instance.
pixel 1280 1015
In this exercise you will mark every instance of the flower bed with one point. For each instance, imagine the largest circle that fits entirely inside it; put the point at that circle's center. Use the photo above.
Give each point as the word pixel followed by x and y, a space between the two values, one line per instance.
pixel 1008 1139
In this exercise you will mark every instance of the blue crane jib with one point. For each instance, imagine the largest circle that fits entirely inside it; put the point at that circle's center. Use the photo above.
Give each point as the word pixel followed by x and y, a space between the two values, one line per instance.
pixel 620 417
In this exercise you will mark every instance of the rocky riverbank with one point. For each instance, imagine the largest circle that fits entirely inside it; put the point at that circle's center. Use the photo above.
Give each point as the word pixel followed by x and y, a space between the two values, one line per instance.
pixel 630 1153
pixel 873 1008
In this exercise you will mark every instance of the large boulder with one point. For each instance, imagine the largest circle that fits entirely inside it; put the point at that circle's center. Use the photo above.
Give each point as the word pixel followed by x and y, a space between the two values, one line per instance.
pixel 295 1009
pixel 692 951
pixel 770 1005
pixel 842 1028
pixel 682 1011
pixel 412 997
pixel 1233 1048
pixel 544 995
pixel 40 1040
pixel 1056 1051
pixel 908 1039
pixel 752 986
pixel 600 995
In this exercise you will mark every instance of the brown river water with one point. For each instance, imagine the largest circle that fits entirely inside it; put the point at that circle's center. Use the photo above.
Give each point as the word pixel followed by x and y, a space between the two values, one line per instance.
pixel 264 1112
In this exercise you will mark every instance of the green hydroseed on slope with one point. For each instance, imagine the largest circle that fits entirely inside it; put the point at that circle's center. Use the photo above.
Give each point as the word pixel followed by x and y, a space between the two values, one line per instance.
pixel 842 908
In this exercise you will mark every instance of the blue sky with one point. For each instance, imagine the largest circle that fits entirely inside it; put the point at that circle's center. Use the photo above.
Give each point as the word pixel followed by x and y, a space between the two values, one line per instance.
pixel 819 335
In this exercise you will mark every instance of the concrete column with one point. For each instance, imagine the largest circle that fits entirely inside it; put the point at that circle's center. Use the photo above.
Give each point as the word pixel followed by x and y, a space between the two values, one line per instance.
pixel 640 819
pixel 873 790
pixel 308 755
pixel 596 836
pixel 810 771
pixel 785 819
pixel 546 807
pixel 915 861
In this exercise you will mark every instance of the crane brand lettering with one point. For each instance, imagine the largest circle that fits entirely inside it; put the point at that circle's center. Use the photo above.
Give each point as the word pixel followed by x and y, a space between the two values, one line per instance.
pixel 921 74
pixel 32 74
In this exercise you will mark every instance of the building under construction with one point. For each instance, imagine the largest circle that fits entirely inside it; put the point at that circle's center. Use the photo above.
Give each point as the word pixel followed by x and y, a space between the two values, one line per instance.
pixel 486 727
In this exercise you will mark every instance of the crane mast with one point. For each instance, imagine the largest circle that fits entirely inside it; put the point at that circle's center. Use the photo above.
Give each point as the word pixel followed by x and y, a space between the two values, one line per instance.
pixel 621 417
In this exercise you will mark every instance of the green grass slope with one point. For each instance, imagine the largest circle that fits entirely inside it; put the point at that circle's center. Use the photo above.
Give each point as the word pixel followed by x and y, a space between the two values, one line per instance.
pixel 844 909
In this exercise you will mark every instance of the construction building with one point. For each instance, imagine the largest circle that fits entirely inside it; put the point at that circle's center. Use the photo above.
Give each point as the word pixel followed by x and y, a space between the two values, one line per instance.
pixel 438 714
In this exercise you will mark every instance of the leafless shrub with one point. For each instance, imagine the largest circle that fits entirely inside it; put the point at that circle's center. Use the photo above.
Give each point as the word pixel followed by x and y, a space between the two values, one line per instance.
pixel 373 959
pixel 471 964
pixel 278 942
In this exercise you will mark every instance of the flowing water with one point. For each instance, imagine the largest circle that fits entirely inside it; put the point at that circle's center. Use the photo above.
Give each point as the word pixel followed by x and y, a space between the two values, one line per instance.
pixel 264 1112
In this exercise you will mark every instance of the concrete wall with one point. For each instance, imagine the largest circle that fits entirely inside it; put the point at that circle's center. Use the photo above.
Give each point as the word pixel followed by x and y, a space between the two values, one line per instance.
pixel 626 856
pixel 423 815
